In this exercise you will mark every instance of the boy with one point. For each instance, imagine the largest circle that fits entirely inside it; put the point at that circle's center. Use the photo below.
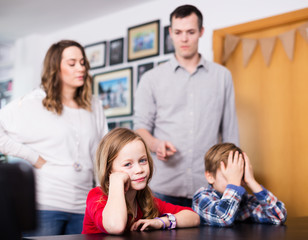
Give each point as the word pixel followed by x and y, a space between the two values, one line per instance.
pixel 225 201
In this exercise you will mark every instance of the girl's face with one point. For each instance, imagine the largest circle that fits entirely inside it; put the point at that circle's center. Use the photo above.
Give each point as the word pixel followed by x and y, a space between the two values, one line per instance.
pixel 132 159
pixel 72 68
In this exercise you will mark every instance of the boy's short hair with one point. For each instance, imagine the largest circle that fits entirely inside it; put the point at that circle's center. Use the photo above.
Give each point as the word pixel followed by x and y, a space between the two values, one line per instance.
pixel 185 11
pixel 219 152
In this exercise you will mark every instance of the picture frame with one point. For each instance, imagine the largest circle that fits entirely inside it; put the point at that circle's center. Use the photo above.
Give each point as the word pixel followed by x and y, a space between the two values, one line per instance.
pixel 143 41
pixel 111 125
pixel 123 124
pixel 162 61
pixel 168 43
pixel 116 48
pixel 115 90
pixel 5 92
pixel 142 68
pixel 96 54
pixel 127 124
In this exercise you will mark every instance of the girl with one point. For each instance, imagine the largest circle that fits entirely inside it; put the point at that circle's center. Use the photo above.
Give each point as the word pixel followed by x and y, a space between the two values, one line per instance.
pixel 124 199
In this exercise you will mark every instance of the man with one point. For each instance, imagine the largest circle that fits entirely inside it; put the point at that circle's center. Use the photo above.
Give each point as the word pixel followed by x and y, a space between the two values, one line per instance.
pixel 182 108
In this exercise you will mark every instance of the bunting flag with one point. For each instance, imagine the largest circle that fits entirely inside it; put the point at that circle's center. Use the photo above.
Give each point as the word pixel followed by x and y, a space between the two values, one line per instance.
pixel 249 46
pixel 288 39
pixel 230 44
pixel 267 44
pixel 303 30
pixel 267 47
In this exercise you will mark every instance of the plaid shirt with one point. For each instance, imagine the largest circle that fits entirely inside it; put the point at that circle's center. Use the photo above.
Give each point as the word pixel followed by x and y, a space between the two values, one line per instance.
pixel 235 204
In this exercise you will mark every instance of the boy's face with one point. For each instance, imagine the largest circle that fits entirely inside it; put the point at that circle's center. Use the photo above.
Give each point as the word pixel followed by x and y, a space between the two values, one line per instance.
pixel 219 182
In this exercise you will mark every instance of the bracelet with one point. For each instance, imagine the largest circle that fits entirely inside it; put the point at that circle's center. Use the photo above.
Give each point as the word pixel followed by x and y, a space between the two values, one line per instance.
pixel 164 227
pixel 172 220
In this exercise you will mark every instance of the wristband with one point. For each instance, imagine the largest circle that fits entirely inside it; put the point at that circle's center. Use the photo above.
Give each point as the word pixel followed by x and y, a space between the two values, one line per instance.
pixel 164 227
pixel 171 219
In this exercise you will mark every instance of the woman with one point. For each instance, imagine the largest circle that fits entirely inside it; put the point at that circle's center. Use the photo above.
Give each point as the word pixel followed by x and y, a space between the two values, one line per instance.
pixel 57 129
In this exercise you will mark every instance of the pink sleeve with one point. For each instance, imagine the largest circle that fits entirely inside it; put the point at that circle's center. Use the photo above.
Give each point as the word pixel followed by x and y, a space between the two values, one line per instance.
pixel 93 220
pixel 164 207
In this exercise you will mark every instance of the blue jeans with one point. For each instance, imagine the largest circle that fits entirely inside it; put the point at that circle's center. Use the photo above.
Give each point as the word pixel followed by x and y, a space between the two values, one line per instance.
pixel 56 223
pixel 185 202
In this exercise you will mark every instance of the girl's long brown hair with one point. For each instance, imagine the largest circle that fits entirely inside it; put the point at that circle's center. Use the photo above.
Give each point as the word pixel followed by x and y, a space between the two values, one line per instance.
pixel 108 150
pixel 51 80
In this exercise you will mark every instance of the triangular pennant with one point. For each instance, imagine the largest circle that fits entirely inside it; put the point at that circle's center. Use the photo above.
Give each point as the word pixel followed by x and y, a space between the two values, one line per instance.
pixel 267 47
pixel 249 46
pixel 230 44
pixel 287 40
pixel 303 30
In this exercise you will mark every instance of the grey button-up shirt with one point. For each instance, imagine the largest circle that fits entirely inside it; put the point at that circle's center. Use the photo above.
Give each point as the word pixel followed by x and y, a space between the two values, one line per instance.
pixel 191 111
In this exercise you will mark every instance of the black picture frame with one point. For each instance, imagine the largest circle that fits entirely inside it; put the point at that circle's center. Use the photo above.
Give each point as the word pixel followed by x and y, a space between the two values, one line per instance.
pixel 96 54
pixel 123 124
pixel 5 92
pixel 127 124
pixel 168 43
pixel 115 90
pixel 116 48
pixel 143 41
pixel 142 68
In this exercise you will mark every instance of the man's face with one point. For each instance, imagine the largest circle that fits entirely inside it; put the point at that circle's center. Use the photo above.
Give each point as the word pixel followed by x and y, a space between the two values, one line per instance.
pixel 185 34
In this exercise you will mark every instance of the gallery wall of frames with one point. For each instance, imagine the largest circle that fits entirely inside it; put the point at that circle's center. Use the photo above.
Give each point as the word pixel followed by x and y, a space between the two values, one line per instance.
pixel 130 56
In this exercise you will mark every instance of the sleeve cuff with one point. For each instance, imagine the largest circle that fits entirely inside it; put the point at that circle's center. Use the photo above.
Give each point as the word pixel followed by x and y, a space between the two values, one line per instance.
pixel 238 189
pixel 262 194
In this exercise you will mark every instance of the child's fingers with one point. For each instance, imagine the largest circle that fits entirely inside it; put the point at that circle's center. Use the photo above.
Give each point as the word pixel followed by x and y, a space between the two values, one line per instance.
pixel 230 157
pixel 144 226
pixel 136 225
pixel 241 160
pixel 235 158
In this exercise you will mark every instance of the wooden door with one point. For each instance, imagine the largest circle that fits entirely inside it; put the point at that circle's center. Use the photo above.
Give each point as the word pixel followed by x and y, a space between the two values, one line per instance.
pixel 272 107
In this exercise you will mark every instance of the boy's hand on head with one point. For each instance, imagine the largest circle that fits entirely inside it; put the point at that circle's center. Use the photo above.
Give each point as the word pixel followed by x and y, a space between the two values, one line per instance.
pixel 121 176
pixel 234 170
pixel 249 178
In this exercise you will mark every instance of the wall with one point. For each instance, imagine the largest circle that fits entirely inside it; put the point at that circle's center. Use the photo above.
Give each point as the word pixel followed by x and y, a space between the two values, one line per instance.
pixel 30 50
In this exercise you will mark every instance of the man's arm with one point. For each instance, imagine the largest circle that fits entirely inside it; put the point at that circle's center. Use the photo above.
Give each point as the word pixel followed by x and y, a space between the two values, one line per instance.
pixel 229 125
pixel 163 149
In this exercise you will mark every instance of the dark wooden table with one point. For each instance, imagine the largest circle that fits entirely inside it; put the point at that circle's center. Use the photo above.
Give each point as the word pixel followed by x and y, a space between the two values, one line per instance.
pixel 294 229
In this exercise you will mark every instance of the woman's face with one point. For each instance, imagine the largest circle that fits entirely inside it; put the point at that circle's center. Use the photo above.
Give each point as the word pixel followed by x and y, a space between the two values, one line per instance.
pixel 72 68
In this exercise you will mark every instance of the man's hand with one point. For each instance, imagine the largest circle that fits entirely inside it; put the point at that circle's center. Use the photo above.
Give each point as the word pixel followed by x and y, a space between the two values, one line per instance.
pixel 164 150
pixel 234 170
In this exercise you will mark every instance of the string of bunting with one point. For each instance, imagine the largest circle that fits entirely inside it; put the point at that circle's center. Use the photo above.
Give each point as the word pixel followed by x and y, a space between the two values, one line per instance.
pixel 267 44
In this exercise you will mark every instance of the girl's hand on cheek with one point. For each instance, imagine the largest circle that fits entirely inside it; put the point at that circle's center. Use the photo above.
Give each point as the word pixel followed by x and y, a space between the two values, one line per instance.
pixel 121 176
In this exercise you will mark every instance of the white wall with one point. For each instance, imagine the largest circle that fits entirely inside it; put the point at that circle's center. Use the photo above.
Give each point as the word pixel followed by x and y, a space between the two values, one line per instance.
pixel 30 50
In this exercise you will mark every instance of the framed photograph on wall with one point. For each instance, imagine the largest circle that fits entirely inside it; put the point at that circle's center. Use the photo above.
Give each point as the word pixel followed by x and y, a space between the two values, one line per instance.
pixel 126 124
pixel 116 51
pixel 115 90
pixel 143 68
pixel 96 54
pixel 143 41
pixel 5 92
pixel 163 61
pixel 168 44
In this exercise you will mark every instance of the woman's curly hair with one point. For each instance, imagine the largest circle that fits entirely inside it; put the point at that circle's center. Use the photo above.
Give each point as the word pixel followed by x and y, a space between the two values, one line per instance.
pixel 51 79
